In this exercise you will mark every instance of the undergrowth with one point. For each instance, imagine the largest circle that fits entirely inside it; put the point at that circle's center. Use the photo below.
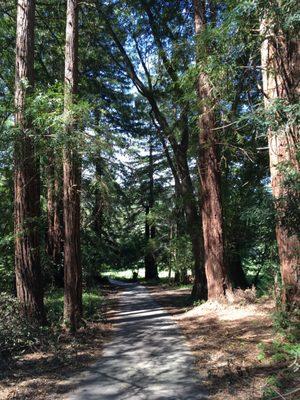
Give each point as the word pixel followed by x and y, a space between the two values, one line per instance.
pixel 284 351
pixel 18 336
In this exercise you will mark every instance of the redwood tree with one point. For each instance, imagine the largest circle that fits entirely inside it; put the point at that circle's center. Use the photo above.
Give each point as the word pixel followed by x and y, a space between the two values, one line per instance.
pixel 71 179
pixel 26 176
pixel 211 207
pixel 178 161
pixel 280 70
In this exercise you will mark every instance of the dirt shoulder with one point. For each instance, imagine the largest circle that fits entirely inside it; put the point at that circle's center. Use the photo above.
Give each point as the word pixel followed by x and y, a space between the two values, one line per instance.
pixel 225 340
pixel 44 374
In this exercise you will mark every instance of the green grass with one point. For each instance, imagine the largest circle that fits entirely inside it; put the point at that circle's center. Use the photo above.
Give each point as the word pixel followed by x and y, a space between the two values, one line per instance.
pixel 126 275
pixel 283 351
pixel 91 301
pixel 164 281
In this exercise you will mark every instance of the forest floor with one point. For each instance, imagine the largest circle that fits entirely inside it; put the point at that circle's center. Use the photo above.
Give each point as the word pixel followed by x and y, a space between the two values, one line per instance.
pixel 44 373
pixel 227 341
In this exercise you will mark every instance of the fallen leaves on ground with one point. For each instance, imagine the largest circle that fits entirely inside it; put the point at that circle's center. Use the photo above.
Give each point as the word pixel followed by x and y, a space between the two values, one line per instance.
pixel 226 340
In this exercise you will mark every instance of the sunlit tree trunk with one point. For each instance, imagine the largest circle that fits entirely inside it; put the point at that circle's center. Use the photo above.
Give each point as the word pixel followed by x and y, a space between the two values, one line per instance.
pixel 211 207
pixel 281 72
pixel 71 179
pixel 26 178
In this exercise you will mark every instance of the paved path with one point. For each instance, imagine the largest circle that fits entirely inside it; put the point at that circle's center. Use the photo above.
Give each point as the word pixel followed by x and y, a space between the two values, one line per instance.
pixel 147 359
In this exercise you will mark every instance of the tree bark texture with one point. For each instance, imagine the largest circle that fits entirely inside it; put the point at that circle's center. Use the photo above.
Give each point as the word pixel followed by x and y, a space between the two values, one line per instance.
pixel 26 175
pixel 71 180
pixel 281 73
pixel 211 207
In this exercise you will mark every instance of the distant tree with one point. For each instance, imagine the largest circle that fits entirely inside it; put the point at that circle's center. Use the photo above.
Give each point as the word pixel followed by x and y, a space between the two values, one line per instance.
pixel 174 134
pixel 27 179
pixel 150 228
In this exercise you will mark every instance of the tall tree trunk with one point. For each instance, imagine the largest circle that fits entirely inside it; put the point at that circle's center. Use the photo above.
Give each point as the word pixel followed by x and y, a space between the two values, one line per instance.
pixel 26 178
pixel 150 230
pixel 184 187
pixel 72 180
pixel 54 245
pixel 179 230
pixel 235 270
pixel 199 290
pixel 173 255
pixel 281 72
pixel 211 208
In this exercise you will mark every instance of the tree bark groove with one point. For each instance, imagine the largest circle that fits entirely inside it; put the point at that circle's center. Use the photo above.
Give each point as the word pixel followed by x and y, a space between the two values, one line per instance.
pixel 281 73
pixel 211 206
pixel 71 180
pixel 26 175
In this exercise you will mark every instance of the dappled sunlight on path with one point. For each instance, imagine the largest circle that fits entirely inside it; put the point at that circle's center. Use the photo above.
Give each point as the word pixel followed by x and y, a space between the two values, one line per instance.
pixel 148 358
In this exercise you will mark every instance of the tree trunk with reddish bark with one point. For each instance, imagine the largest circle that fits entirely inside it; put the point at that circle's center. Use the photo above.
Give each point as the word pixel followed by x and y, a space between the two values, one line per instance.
pixel 71 180
pixel 26 175
pixel 211 207
pixel 280 61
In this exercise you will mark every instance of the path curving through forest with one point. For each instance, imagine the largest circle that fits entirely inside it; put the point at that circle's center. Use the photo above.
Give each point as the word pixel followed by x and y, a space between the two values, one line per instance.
pixel 147 359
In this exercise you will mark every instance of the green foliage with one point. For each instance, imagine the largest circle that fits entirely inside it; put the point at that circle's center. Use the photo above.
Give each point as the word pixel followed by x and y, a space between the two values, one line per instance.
pixel 16 334
pixel 6 229
pixel 280 351
pixel 285 354
pixel 271 387
pixel 284 350
pixel 92 301
pixel 287 323
pixel 180 251
pixel 114 128
pixel 288 203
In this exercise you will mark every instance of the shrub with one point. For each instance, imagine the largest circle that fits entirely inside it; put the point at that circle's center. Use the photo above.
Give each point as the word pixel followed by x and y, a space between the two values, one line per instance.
pixel 16 334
